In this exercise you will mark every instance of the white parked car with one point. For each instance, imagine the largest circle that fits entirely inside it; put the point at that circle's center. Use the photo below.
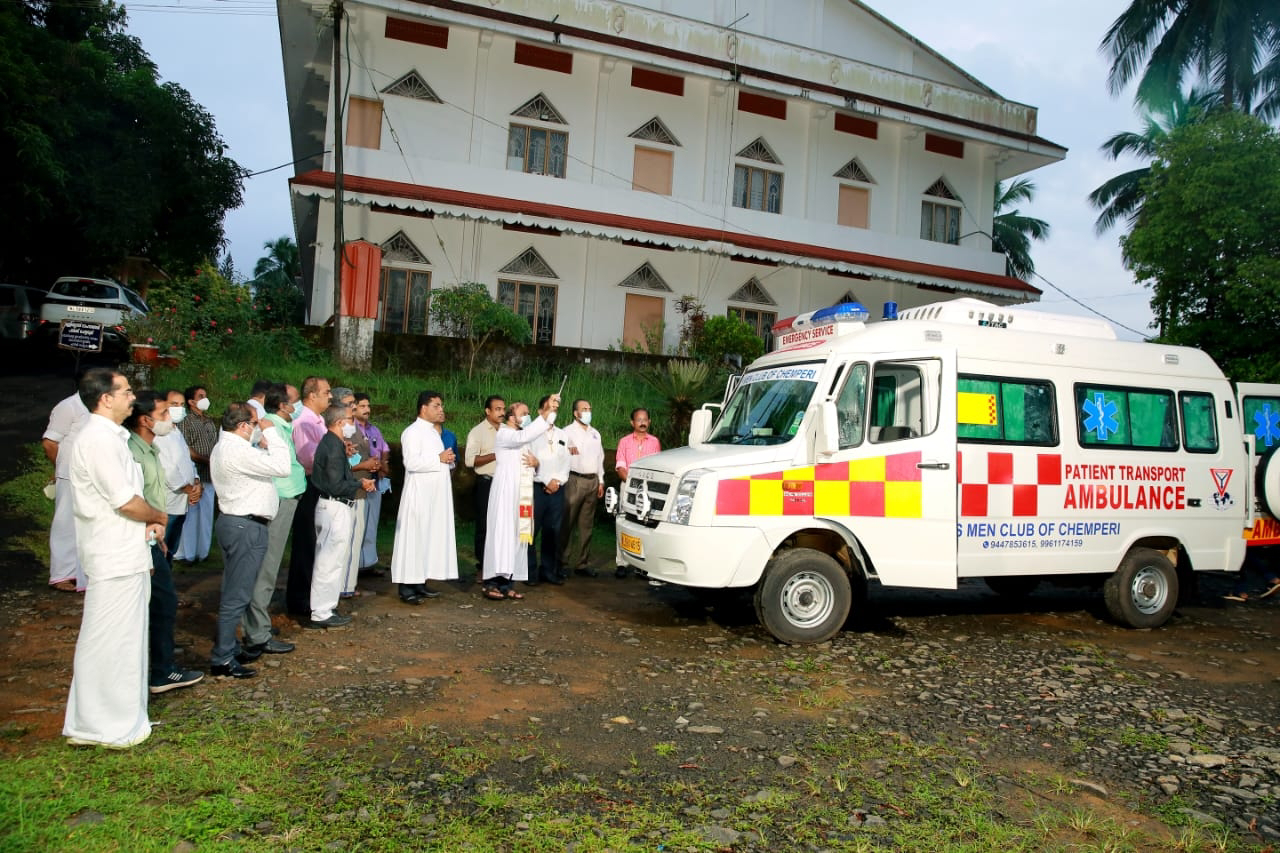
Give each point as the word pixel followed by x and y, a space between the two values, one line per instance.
pixel 94 300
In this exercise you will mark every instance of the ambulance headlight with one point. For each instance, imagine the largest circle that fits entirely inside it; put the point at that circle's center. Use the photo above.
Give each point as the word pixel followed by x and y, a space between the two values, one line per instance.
pixel 611 500
pixel 682 501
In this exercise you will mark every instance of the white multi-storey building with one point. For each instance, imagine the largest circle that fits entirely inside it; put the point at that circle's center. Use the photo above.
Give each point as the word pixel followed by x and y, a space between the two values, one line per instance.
pixel 592 162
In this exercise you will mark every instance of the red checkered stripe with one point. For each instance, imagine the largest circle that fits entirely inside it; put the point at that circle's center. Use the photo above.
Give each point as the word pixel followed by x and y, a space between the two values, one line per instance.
pixel 1000 484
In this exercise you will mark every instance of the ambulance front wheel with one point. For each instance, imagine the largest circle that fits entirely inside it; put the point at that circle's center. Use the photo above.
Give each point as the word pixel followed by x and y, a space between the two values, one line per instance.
pixel 1143 591
pixel 804 597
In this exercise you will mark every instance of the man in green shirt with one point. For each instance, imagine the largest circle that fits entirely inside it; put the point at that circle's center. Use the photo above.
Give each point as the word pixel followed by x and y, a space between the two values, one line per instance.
pixel 279 404
pixel 149 418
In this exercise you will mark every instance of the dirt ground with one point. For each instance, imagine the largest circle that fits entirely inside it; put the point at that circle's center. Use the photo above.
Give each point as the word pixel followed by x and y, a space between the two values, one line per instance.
pixel 600 655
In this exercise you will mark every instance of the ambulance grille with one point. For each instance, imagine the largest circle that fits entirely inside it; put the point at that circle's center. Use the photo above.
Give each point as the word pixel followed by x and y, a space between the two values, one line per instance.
pixel 658 487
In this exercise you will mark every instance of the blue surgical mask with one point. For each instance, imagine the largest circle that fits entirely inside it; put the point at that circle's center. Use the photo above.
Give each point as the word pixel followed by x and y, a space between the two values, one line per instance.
pixel 525 420
pixel 297 408
pixel 585 417
pixel 353 459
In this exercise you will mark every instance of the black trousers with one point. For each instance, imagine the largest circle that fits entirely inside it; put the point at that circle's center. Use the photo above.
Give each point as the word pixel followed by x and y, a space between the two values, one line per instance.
pixel 548 515
pixel 164 612
pixel 480 499
pixel 302 554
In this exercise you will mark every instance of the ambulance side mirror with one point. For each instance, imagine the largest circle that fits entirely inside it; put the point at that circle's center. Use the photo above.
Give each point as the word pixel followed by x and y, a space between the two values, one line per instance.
pixel 828 438
pixel 699 426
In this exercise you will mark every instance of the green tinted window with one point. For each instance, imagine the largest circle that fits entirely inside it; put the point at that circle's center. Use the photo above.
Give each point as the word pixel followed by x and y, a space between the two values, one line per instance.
pixel 1005 410
pixel 1125 417
pixel 1199 422
pixel 1262 418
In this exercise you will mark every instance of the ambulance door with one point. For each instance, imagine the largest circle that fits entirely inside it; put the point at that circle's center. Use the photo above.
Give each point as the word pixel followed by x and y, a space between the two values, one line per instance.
pixel 892 483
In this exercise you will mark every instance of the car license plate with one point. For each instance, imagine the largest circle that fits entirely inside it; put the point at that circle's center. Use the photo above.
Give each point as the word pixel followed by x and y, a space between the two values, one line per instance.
pixel 79 309
pixel 630 544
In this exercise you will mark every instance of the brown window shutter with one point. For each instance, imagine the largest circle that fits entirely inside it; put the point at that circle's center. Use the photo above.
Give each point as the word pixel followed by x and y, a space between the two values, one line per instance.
pixel 750 102
pixel 858 126
pixel 537 56
pixel 417 32
pixel 944 145
pixel 645 78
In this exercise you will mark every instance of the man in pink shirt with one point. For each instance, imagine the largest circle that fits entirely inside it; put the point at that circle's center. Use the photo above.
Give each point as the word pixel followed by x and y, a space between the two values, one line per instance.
pixel 637 444
pixel 308 429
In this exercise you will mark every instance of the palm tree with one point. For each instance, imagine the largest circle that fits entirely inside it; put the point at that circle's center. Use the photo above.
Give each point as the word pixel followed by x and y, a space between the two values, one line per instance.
pixel 1121 197
pixel 278 299
pixel 1230 44
pixel 1011 232
pixel 281 260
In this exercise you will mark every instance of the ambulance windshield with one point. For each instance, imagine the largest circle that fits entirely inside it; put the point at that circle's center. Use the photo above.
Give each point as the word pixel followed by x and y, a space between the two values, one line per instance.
pixel 767 406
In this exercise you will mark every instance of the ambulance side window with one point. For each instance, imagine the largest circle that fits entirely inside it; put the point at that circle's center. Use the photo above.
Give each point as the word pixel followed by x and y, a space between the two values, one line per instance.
pixel 1127 418
pixel 904 399
pixel 1014 411
pixel 851 407
pixel 1261 416
pixel 1199 425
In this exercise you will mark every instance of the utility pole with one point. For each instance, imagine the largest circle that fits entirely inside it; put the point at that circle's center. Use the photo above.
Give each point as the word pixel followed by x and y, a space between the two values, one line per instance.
pixel 338 247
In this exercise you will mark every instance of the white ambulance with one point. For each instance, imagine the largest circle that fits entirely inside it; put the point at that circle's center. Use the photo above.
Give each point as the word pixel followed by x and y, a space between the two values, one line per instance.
pixel 962 440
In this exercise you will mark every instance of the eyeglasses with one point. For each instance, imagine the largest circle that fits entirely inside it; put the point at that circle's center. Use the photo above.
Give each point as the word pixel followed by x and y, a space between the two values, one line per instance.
pixel 116 391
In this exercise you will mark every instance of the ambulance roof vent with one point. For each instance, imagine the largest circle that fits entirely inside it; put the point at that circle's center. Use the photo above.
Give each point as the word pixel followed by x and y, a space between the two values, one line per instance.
pixel 975 312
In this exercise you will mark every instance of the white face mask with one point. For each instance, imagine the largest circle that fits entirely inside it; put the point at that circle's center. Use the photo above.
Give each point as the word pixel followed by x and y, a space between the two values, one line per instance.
pixel 585 417
pixel 177 413
pixel 162 427
pixel 256 436
pixel 551 417
pixel 203 404
pixel 525 420
pixel 348 430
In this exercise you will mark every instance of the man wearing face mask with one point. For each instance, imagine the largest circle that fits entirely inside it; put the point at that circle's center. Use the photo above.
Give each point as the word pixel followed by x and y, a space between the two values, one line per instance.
pixel 510 519
pixel 363 466
pixel 148 420
pixel 635 445
pixel 584 489
pixel 243 473
pixel 184 483
pixel 338 493
pixel 201 434
pixel 308 429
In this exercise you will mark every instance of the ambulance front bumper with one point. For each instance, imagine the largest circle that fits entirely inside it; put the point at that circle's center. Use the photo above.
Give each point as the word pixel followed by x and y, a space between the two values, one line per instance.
pixel 706 557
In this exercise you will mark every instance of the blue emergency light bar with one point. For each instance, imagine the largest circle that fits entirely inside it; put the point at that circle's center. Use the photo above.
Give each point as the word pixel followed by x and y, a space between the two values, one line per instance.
pixel 845 312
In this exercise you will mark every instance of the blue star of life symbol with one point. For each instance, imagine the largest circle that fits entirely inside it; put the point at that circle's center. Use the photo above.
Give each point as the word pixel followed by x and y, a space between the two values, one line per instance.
pixel 1268 431
pixel 1102 416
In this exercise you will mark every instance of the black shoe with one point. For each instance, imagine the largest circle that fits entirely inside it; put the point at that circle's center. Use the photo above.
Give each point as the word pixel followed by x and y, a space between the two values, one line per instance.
pixel 423 591
pixel 411 598
pixel 336 620
pixel 173 679
pixel 586 573
pixel 248 654
pixel 555 580
pixel 232 670
pixel 270 647
pixel 531 582
pixel 374 571
pixel 621 572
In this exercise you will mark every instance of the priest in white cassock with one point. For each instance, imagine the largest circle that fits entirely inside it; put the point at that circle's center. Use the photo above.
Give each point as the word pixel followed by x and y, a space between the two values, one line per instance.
pixel 510 518
pixel 424 546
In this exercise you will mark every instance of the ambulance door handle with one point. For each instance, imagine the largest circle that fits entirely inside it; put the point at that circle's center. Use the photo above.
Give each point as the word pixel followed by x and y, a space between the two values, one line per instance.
pixel 938 466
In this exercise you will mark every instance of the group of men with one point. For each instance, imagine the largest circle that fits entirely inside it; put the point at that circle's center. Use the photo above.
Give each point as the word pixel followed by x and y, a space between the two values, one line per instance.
pixel 554 476
pixel 128 485
pixel 136 480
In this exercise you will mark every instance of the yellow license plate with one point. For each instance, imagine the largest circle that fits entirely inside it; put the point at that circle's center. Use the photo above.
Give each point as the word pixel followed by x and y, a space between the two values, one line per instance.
pixel 630 544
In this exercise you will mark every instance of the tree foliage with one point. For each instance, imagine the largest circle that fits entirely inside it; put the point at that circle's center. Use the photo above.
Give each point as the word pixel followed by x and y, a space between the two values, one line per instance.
pixel 1120 198
pixel 1011 232
pixel 1207 242
pixel 684 386
pixel 1232 45
pixel 468 311
pixel 727 336
pixel 275 283
pixel 104 160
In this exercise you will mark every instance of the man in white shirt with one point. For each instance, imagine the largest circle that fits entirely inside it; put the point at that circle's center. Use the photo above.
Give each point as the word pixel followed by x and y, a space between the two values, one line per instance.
pixel 481 456
pixel 583 490
pixel 185 488
pixel 66 419
pixel 243 478
pixel 107 704
pixel 549 477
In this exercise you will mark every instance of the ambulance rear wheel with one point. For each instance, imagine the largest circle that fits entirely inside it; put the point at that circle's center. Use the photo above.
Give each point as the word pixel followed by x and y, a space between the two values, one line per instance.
pixel 1143 591
pixel 1268 483
pixel 804 597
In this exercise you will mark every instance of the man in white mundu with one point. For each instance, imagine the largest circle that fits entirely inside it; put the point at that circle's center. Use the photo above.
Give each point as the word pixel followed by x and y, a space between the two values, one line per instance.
pixel 107 705
pixel 510 518
pixel 66 419
pixel 424 546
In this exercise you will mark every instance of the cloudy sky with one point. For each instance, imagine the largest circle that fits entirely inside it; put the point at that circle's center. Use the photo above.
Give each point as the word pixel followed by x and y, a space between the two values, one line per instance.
pixel 1043 53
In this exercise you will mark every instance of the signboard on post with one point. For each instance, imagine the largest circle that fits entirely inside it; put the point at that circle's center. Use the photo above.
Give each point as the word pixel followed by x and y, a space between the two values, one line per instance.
pixel 80 336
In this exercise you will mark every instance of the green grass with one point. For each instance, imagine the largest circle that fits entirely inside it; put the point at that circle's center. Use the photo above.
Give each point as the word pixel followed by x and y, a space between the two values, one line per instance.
pixel 23 501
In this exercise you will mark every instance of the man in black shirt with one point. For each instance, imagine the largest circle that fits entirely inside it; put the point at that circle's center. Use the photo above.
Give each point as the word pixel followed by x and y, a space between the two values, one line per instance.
pixel 335 516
